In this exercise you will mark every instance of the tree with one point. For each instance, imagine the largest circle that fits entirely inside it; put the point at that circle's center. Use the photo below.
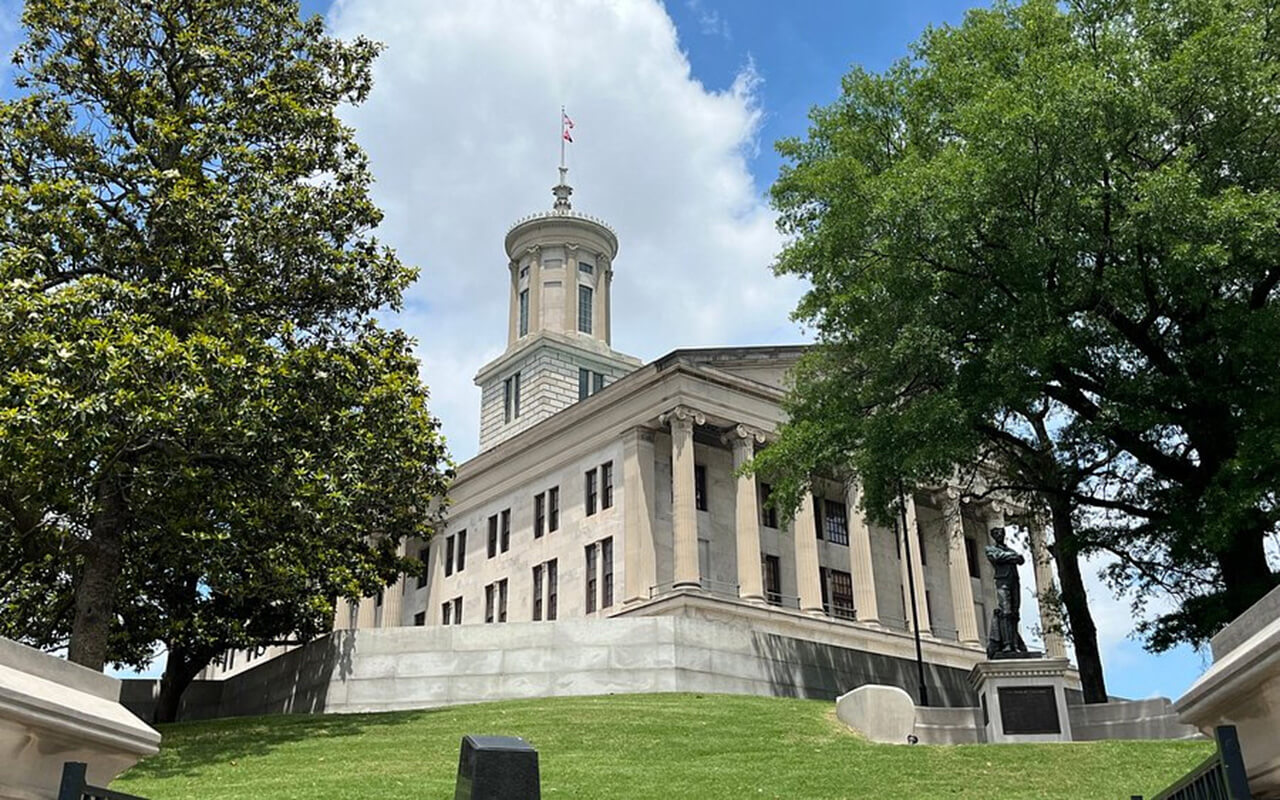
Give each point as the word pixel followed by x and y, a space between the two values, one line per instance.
pixel 205 437
pixel 1073 209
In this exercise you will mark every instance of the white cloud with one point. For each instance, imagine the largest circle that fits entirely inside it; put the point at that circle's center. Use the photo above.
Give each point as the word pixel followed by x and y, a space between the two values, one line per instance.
pixel 709 20
pixel 462 130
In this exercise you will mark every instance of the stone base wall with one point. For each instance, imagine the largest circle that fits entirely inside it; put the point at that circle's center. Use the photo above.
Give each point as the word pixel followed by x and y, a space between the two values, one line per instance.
pixel 422 667
pixel 1119 719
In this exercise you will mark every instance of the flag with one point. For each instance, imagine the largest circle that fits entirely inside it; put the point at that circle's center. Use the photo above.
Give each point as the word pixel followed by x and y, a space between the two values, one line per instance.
pixel 568 126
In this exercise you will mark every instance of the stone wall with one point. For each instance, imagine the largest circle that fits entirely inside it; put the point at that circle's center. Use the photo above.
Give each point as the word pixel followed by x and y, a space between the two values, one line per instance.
pixel 423 667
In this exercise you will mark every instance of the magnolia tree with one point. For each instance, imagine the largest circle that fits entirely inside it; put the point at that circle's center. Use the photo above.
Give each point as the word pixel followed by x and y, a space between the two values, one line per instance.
pixel 205 436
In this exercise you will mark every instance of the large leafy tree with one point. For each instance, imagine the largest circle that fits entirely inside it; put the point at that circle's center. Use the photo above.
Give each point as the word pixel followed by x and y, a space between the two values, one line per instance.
pixel 1066 210
pixel 205 436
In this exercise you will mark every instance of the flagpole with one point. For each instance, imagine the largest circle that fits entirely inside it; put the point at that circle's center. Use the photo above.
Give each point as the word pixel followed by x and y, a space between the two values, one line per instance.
pixel 562 137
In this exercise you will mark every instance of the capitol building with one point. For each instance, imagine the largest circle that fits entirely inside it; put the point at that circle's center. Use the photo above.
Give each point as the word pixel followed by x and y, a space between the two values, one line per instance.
pixel 605 540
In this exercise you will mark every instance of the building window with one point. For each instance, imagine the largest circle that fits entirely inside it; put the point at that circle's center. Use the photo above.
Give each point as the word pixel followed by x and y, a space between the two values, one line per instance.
pixel 537 593
pixel 505 532
pixel 495 601
pixel 511 398
pixel 606 572
pixel 553 509
pixel 539 514
pixel 451 612
pixel 502 600
pixel 772 580
pixel 597 382
pixel 524 312
pixel 462 551
pixel 841 594
pixel 589 492
pixel 700 487
pixel 424 555
pixel 493 536
pixel 584 267
pixel 584 309
pixel 971 555
pixel 592 571
pixel 606 485
pixel 584 383
pixel 551 589
pixel 448 555
pixel 488 602
pixel 768 514
pixel 420 619
pixel 835 522
pixel 524 272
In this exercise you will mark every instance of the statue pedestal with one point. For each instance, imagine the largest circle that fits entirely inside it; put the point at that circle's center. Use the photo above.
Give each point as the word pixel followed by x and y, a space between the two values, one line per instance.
pixel 1023 699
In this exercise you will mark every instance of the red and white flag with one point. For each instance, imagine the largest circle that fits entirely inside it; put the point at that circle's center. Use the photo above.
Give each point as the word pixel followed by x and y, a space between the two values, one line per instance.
pixel 568 126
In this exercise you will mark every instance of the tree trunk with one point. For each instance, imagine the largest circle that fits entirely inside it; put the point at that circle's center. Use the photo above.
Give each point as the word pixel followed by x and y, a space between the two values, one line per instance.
pixel 1084 634
pixel 96 590
pixel 180 670
pixel 1246 577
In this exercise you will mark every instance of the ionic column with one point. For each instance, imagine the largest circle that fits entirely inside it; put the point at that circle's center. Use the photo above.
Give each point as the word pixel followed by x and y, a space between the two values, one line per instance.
pixel 958 561
pixel 917 568
pixel 750 582
pixel 368 613
pixel 1050 615
pixel 860 563
pixel 393 599
pixel 684 519
pixel 808 579
pixel 640 563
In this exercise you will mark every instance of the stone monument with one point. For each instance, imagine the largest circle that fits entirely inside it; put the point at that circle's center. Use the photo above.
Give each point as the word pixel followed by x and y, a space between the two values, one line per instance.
pixel 1022 696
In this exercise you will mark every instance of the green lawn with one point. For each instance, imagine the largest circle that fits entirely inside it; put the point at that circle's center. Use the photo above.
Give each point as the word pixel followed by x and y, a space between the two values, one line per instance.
pixel 633 746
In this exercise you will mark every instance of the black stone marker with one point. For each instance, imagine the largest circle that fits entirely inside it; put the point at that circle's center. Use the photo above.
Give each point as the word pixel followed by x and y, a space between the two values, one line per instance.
pixel 497 768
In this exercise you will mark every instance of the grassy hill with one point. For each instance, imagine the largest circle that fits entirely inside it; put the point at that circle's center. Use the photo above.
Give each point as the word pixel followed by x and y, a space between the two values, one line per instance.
pixel 633 746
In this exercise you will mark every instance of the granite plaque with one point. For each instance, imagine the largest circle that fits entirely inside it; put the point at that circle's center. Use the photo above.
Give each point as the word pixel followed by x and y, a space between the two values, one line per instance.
pixel 1029 710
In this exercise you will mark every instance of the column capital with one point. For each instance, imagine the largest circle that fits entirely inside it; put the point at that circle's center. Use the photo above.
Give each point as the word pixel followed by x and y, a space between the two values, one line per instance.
pixel 743 436
pixel 533 250
pixel 682 417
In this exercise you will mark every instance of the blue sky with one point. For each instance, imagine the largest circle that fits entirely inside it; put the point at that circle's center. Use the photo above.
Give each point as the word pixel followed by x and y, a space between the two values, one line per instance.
pixel 677 106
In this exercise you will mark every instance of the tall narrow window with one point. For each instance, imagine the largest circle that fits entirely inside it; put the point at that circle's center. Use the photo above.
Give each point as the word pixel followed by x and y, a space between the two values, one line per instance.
pixel 462 550
pixel 841 594
pixel 537 593
pixel 606 572
pixel 589 492
pixel 606 485
pixel 553 509
pixel 448 555
pixel 772 580
pixel 457 611
pixel 489 597
pixel 504 535
pixel 836 522
pixel 768 514
pixel 502 600
pixel 551 589
pixel 584 309
pixel 539 514
pixel 700 487
pixel 597 382
pixel 515 392
pixel 524 312
pixel 591 577
pixel 584 383
pixel 493 536
pixel 506 400
pixel 446 611
pixel 420 619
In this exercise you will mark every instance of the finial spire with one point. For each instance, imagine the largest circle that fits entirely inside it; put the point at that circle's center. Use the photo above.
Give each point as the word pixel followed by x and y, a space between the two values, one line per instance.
pixel 562 190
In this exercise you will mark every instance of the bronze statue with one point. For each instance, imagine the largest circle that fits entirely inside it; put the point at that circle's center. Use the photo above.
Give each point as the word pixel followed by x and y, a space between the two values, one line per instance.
pixel 1003 640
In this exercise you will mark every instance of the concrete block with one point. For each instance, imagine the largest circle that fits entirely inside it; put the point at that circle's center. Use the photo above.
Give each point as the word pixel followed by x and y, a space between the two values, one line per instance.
pixel 475 688
pixel 447 663
pixel 693 658
pixel 641 656
pixel 881 713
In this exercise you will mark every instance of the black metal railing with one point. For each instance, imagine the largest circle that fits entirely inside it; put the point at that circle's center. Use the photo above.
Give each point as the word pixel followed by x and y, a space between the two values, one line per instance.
pixel 75 786
pixel 1221 776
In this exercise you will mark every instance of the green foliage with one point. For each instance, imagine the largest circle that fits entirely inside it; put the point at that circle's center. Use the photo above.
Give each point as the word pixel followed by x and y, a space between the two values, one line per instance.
pixel 626 747
pixel 199 414
pixel 1063 212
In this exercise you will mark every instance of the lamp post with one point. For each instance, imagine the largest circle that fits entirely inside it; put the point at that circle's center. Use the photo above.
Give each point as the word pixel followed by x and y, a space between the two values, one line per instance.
pixel 911 591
